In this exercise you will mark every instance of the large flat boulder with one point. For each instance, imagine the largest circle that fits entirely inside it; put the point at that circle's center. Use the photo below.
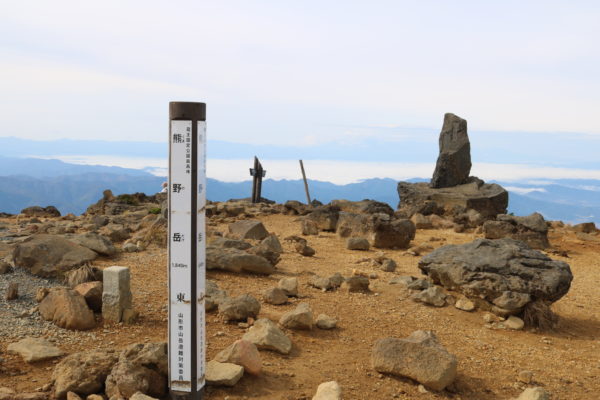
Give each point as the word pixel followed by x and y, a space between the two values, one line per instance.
pixel 93 241
pixel 234 260
pixel 50 256
pixel 34 349
pixel 419 357
pixel 454 161
pixel 505 272
pixel 488 200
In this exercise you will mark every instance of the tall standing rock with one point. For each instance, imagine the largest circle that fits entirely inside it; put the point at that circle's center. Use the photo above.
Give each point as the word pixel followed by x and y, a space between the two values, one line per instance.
pixel 454 162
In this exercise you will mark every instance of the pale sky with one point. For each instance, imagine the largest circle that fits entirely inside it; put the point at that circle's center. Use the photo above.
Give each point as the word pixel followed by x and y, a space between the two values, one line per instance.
pixel 297 73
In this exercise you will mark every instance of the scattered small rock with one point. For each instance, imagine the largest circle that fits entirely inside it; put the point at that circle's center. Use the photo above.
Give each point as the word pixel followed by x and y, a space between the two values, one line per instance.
pixel 266 335
pixel 244 353
pixel 357 243
pixel 289 286
pixel 223 374
pixel 525 376
pixel 328 391
pixel 434 296
pixel 326 322
pixel 356 284
pixel 304 249
pixel 239 308
pixel 299 318
pixel 275 296
pixel 388 265
pixel 12 291
pixel 514 323
pixel 464 304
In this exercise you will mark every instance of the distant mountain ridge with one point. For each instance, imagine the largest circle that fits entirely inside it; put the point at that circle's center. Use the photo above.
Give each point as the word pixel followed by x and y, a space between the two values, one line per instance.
pixel 72 188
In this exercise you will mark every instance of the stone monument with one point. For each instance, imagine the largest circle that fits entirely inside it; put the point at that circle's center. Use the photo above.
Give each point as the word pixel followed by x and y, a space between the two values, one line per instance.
pixel 451 190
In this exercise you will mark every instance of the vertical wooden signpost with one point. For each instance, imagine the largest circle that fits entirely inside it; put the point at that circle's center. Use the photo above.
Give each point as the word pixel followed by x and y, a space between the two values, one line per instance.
pixel 305 183
pixel 257 174
pixel 187 249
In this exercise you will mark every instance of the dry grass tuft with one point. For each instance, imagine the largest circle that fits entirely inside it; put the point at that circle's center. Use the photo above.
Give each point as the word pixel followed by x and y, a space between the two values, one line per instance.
pixel 85 273
pixel 538 314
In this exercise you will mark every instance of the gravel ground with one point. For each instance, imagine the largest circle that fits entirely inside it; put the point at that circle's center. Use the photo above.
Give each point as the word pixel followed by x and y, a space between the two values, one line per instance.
pixel 19 318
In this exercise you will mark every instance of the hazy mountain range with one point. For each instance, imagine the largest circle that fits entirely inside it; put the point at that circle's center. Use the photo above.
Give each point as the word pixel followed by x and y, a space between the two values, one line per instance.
pixel 71 188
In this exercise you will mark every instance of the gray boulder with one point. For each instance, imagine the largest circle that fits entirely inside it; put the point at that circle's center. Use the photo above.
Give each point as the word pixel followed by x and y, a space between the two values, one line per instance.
pixel 454 161
pixel 356 243
pixel 419 357
pixel 266 335
pixel 50 256
pixel 433 296
pixel 239 308
pixel 93 241
pixel 248 229
pixel 532 229
pixel 214 296
pixel 325 217
pixel 505 272
pixel 381 230
pixel 234 260
pixel 269 248
pixel 299 318
pixel 275 296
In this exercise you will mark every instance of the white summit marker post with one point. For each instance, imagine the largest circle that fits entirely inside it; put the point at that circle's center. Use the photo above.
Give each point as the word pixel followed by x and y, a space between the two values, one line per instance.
pixel 187 249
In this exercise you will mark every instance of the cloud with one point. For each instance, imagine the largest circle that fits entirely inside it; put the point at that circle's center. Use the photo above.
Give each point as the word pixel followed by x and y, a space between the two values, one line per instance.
pixel 343 172
pixel 522 190
pixel 291 73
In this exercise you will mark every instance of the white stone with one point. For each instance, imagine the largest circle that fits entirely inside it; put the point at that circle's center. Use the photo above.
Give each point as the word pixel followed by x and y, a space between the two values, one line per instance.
pixel 464 304
pixel 116 295
pixel 328 391
pixel 141 396
pixel 514 323
pixel 536 393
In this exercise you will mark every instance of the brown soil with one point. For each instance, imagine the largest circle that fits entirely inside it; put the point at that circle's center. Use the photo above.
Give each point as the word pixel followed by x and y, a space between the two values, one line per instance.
pixel 566 361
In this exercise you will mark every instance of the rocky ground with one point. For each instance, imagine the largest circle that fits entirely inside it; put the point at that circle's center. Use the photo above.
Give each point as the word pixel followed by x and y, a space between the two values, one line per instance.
pixel 565 361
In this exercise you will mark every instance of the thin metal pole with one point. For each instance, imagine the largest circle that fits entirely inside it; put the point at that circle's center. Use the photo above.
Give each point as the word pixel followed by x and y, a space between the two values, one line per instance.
pixel 305 182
